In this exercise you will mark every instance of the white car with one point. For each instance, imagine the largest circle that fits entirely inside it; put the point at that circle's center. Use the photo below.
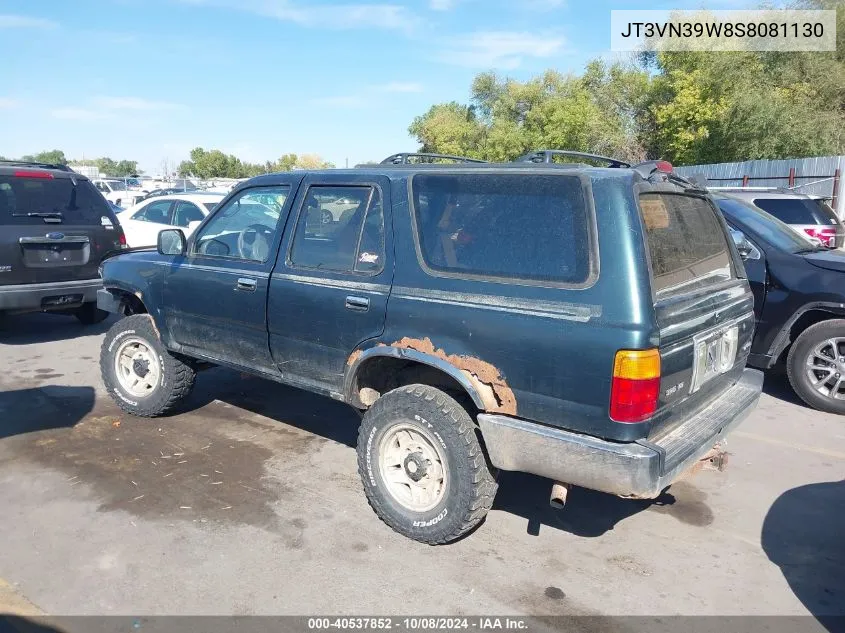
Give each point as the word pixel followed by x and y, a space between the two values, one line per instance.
pixel 185 211
pixel 115 190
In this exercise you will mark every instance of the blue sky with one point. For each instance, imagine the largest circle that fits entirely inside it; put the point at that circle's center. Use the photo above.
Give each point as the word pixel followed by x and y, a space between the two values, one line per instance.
pixel 151 79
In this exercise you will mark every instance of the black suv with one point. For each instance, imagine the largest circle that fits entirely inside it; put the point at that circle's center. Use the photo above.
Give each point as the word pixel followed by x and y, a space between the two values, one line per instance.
pixel 55 229
pixel 799 298
pixel 589 325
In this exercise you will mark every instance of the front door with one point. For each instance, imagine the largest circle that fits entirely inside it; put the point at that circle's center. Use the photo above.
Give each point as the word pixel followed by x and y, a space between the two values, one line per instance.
pixel 329 290
pixel 215 298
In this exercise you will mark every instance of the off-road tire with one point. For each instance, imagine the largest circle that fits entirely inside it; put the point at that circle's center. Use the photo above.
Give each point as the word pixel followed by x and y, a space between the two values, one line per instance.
pixel 797 359
pixel 90 314
pixel 176 377
pixel 470 486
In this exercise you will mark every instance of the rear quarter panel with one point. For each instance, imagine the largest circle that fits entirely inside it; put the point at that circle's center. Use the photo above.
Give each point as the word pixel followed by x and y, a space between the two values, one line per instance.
pixel 547 353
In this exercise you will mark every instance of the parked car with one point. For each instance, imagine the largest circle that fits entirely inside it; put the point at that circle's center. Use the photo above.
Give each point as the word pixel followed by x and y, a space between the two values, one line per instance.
pixel 799 302
pixel 810 216
pixel 143 222
pixel 481 317
pixel 55 229
pixel 115 190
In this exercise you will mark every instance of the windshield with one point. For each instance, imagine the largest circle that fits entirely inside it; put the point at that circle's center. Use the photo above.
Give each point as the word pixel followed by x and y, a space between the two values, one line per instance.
pixel 764 225
pixel 116 185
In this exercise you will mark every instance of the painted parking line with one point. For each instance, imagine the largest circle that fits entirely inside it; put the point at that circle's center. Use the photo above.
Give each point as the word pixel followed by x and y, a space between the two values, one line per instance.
pixel 792 445
pixel 13 603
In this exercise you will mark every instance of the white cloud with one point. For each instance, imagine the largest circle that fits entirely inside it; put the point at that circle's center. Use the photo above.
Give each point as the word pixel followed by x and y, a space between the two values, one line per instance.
pixel 501 49
pixel 134 103
pixel 401 86
pixel 340 101
pixel 77 114
pixel 441 5
pixel 8 21
pixel 100 108
pixel 332 17
pixel 7 103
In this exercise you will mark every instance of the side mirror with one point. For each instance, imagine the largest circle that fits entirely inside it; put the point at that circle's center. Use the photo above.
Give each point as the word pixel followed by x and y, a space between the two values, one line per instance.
pixel 172 242
pixel 193 225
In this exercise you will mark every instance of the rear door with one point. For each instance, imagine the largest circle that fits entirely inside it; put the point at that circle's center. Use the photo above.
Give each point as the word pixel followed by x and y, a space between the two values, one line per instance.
pixel 329 289
pixel 703 303
pixel 55 227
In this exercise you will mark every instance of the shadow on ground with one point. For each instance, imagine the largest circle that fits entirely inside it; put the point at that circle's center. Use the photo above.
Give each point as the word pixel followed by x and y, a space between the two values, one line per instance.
pixel 21 624
pixel 41 408
pixel 803 535
pixel 307 411
pixel 776 384
pixel 589 513
pixel 38 327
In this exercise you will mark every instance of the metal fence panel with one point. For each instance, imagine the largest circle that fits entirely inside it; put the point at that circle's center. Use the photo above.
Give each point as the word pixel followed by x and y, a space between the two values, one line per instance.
pixel 812 175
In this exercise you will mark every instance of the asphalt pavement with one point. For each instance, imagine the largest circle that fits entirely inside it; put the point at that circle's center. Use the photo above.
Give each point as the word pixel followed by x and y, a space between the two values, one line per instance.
pixel 247 501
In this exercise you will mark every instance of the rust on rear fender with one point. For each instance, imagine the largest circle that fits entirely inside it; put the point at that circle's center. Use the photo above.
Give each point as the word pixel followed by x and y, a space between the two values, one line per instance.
pixel 491 386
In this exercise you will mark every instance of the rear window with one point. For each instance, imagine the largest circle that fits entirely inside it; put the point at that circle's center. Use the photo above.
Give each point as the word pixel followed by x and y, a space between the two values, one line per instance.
pixel 513 226
pixel 797 210
pixel 685 239
pixel 79 204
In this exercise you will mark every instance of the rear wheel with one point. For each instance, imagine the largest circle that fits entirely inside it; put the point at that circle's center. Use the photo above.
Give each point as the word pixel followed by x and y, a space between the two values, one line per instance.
pixel 90 314
pixel 816 366
pixel 422 466
pixel 141 376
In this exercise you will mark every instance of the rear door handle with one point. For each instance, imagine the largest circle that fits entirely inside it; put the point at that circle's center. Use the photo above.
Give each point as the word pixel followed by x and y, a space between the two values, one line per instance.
pixel 361 304
pixel 244 283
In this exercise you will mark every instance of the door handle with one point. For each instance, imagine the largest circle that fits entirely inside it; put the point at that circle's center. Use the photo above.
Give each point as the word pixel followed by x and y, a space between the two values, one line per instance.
pixel 244 283
pixel 361 304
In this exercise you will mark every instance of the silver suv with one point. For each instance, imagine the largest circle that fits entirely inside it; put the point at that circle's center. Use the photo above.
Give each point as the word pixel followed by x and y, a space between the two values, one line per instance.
pixel 809 215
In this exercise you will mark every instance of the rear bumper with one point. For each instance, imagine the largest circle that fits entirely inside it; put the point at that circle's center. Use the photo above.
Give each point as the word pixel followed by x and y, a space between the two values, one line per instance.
pixel 638 469
pixel 59 295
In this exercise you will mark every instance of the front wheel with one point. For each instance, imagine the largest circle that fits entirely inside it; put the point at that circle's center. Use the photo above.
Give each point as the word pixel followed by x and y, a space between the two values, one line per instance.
pixel 422 466
pixel 141 376
pixel 816 366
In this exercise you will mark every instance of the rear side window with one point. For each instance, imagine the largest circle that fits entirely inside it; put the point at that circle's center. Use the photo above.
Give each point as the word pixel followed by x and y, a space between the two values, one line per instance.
pixel 797 210
pixel 513 226
pixel 686 240
pixel 79 204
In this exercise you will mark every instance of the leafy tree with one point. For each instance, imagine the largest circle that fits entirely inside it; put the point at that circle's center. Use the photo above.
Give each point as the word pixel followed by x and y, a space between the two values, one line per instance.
pixel 54 157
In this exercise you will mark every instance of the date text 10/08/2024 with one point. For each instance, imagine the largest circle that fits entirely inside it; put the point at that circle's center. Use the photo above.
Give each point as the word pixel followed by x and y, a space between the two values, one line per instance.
pixel 418 623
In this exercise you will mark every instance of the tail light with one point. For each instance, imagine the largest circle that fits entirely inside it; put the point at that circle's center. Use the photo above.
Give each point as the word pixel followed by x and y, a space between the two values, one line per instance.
pixel 121 238
pixel 663 166
pixel 824 234
pixel 636 385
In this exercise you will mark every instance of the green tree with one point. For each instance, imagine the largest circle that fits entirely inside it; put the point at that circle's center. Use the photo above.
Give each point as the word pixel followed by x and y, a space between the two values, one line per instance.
pixel 53 157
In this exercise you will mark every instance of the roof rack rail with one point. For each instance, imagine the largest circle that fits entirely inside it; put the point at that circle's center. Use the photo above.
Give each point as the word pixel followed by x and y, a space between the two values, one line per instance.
pixel 32 163
pixel 547 155
pixel 403 158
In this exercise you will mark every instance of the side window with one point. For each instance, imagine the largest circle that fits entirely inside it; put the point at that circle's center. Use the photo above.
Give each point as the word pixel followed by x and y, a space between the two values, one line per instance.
pixel 157 212
pixel 101 187
pixel 246 227
pixel 513 226
pixel 185 213
pixel 340 229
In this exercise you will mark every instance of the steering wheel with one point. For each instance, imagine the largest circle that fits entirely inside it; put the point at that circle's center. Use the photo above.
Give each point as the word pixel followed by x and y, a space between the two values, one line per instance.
pixel 254 242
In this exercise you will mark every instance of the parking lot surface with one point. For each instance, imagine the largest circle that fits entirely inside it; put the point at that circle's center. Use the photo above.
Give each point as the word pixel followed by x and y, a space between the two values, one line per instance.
pixel 247 501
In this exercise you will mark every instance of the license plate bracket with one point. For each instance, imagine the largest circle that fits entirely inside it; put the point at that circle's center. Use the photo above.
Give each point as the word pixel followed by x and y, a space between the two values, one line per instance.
pixel 714 353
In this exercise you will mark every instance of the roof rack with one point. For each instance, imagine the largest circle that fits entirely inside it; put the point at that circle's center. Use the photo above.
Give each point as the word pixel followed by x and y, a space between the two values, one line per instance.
pixel 32 163
pixel 547 155
pixel 403 158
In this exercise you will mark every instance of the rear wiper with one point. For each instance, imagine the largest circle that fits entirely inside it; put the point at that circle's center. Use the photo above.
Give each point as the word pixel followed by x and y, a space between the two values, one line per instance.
pixel 55 216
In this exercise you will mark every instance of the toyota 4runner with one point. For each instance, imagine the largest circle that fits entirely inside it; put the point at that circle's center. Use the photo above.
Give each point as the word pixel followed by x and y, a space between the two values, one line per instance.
pixel 588 325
